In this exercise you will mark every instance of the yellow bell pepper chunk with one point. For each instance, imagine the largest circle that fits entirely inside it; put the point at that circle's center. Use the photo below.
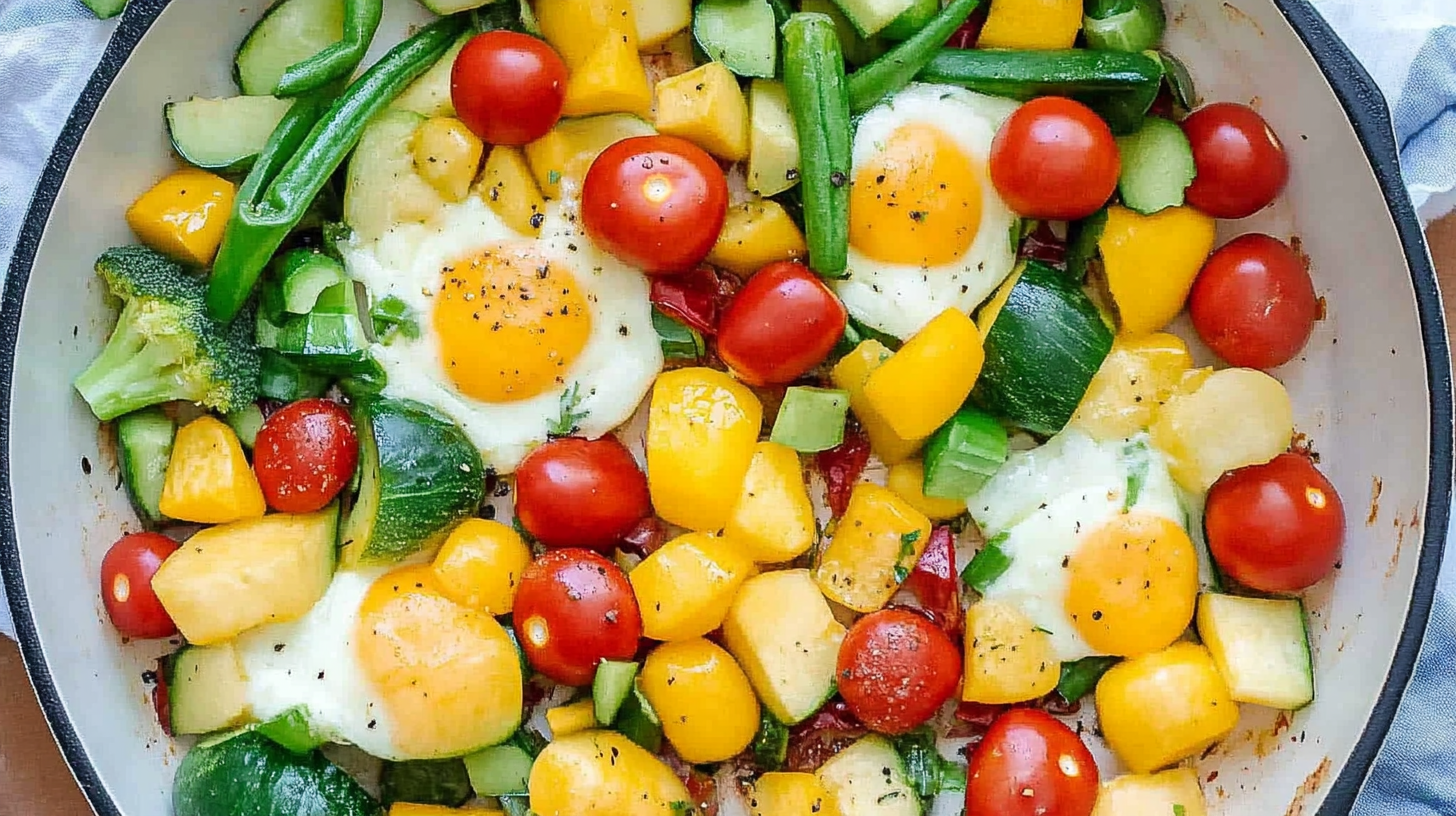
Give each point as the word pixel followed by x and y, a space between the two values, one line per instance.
pixel 1008 659
pixel 571 719
pixel 184 215
pixel 773 520
pixel 708 710
pixel 602 773
pixel 850 374
pixel 611 79
pixel 480 565
pixel 924 383
pixel 1139 375
pixel 413 809
pixel 907 480
pixel 1164 707
pixel 755 234
pixel 1176 791
pixel 575 28
pixel 702 428
pixel 790 794
pixel 209 480
pixel 706 107
pixel 1040 25
pixel 1151 262
pixel 874 548
pixel 684 589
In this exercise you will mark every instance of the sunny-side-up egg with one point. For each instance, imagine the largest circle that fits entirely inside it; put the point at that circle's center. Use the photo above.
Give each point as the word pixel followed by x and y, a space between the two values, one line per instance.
pixel 386 662
pixel 514 329
pixel 1096 535
pixel 927 229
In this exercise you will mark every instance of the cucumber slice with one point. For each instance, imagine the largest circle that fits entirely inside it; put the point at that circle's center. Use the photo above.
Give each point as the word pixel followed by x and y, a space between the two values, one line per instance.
pixel 741 34
pixel 611 686
pixel 224 135
pixel 444 7
pixel 331 338
pixel 857 48
pixel 637 721
pixel 501 770
pixel 246 422
pixel 1157 166
pixel 773 141
pixel 303 275
pixel 443 782
pixel 144 446
pixel 868 779
pixel 430 94
pixel 782 632
pixel 988 564
pixel 811 419
pixel 870 17
pixel 207 690
pixel 284 380
pixel 911 20
pixel 964 454
pixel 290 32
pixel 250 775
pixel 1261 647
pixel 382 187
pixel 771 744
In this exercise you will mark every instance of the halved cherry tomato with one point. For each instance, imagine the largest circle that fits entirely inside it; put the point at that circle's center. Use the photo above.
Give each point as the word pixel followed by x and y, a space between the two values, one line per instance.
pixel 936 583
pixel 126 585
pixel 1030 764
pixel 697 298
pixel 1275 527
pixel 1241 163
pixel 1055 159
pixel 305 454
pixel 508 88
pixel 783 322
pixel 573 610
pixel 656 202
pixel 1254 303
pixel 581 493
pixel 896 669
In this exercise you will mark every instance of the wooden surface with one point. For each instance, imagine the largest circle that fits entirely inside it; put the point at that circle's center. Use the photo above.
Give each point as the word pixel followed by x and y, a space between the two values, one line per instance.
pixel 34 780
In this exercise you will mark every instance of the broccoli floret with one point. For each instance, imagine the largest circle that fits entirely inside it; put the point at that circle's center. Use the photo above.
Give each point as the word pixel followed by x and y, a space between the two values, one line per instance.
pixel 165 347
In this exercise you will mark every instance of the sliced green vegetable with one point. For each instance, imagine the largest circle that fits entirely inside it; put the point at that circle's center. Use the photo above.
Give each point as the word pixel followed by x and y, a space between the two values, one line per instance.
pixel 771 744
pixel 250 775
pixel 918 16
pixel 246 422
pixel 1124 25
pixel 611 686
pixel 292 730
pixel 339 59
pixel 637 721
pixel 741 34
pixel 819 99
pixel 105 9
pixel 1079 678
pixel 679 340
pixel 1157 166
pixel 206 689
pixel 144 446
pixel 894 70
pixel 391 317
pixel 288 33
pixel 869 17
pixel 286 381
pixel 964 454
pixel 1179 79
pixel 330 338
pixel 1082 239
pixel 987 565
pixel 857 48
pixel 223 135
pixel 500 770
pixel 928 772
pixel 443 782
pixel 303 275
pixel 811 419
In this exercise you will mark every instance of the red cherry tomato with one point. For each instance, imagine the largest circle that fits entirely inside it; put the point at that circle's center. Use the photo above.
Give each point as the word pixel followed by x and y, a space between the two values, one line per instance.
pixel 126 586
pixel 896 669
pixel 697 298
pixel 573 610
pixel 656 202
pixel 508 88
pixel 1241 164
pixel 579 493
pixel 1254 303
pixel 305 454
pixel 783 322
pixel 1055 159
pixel 1030 764
pixel 1275 527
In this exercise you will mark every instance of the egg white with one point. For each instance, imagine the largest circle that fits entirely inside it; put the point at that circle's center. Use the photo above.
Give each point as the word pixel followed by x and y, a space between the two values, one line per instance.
pixel 899 299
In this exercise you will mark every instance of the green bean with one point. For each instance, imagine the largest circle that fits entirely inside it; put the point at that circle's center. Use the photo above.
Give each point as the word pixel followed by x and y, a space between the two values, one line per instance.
pixel 894 70
pixel 819 100
pixel 337 61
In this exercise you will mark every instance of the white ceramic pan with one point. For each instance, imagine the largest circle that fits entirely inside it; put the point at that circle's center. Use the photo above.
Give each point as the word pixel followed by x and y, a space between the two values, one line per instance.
pixel 1372 393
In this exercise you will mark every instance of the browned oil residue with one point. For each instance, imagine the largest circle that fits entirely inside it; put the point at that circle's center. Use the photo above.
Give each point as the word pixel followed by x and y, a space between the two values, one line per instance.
pixel 1237 15
pixel 1312 784
pixel 1376 485
pixel 1321 308
pixel 1400 529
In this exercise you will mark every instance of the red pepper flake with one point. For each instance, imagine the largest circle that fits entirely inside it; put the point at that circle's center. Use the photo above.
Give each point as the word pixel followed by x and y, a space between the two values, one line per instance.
pixel 162 698
pixel 843 466
pixel 936 584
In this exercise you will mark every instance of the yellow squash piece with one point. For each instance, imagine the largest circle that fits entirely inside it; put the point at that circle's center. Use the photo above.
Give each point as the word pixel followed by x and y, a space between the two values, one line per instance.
pixel 907 480
pixel 1038 25
pixel 773 521
pixel 1151 261
pixel 874 548
pixel 570 719
pixel 850 374
pixel 510 189
pixel 706 107
pixel 755 234
pixel 576 27
pixel 568 150
pixel 790 794
pixel 1170 792
pixel 602 773
pixel 1008 659
pixel 786 638
pixel 702 429
pixel 658 20
pixel 1235 418
pixel 610 80
pixel 1164 707
pixel 412 809
pixel 480 565
pixel 685 588
pixel 184 215
pixel 209 480
pixel 447 155
pixel 703 699
pixel 924 383
pixel 1138 376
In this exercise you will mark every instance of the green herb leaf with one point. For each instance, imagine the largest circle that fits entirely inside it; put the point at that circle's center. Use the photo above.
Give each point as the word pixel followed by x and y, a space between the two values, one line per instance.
pixel 1179 810
pixel 569 421
pixel 393 318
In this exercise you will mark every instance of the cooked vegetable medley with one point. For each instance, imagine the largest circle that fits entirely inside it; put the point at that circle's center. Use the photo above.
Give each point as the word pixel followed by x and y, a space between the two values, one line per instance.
pixel 644 407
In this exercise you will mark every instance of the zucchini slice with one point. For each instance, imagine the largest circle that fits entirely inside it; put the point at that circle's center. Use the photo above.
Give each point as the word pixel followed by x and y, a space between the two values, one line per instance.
pixel 207 689
pixel 290 32
pixel 1261 647
pixel 224 135
pixel 868 779
pixel 144 446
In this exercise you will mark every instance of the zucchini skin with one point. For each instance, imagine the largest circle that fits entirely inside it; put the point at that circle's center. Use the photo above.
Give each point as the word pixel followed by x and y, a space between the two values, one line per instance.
pixel 893 70
pixel 250 775
pixel 819 100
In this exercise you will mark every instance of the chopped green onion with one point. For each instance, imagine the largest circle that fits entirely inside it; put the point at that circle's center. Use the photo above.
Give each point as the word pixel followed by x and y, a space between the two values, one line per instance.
pixel 989 564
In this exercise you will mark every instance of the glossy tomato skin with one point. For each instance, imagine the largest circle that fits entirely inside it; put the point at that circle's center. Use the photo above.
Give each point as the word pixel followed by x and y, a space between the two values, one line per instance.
pixel 1242 166
pixel 1276 527
pixel 305 454
pixel 656 202
pixel 573 610
pixel 1030 764
pixel 508 88
pixel 896 669
pixel 581 493
pixel 1254 303
pixel 126 586
pixel 1055 159
pixel 782 323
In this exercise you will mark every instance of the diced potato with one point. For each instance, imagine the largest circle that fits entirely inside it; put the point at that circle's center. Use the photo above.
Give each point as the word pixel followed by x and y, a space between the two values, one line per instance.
pixel 610 80
pixel 576 28
pixel 1008 659
pixel 1139 375
pixel 569 149
pixel 430 94
pixel 510 189
pixel 706 107
pixel 786 638
pixel 1163 794
pixel 1236 418
pixel 850 374
pixel 659 20
pixel 703 698
pixel 184 215
pixel 480 565
pixel 383 188
pixel 924 383
pixel 447 155
pixel 1151 261
pixel 570 719
pixel 755 234
pixel 773 521
pixel 602 773
pixel 1040 25
pixel 875 546
pixel 790 794
pixel 685 588
pixel 907 480
pixel 702 429
pixel 773 140
pixel 1164 707
pixel 209 480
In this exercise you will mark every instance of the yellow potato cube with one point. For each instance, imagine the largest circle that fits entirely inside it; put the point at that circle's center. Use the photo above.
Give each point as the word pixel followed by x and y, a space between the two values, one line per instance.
pixel 773 521
pixel 790 794
pixel 702 429
pixel 480 565
pixel 602 773
pixel 707 707
pixel 610 80
pixel 1164 707
pixel 569 149
pixel 1234 418
pixel 1008 659
pixel 1170 792
pixel 510 189
pixel 924 383
pixel 658 20
pixel 755 234
pixel 850 374
pixel 184 215
pixel 576 28
pixel 1139 375
pixel 874 547
pixel 685 588
pixel 706 107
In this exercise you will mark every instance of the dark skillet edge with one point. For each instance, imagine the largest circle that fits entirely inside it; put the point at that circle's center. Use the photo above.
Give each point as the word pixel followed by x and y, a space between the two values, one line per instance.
pixel 1358 95
pixel 134 24
pixel 1370 117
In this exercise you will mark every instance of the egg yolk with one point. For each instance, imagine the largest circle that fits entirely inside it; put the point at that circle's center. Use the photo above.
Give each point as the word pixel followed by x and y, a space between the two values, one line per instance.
pixel 510 323
pixel 918 201
pixel 448 676
pixel 1133 585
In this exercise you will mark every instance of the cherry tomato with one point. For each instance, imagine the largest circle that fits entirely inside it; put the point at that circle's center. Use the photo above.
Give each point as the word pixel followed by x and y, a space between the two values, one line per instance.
pixel 1030 764
pixel 1275 527
pixel 696 298
pixel 508 88
pixel 1241 164
pixel 1055 159
pixel 573 610
pixel 1254 303
pixel 783 322
pixel 579 493
pixel 126 586
pixel 896 669
pixel 305 454
pixel 656 202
